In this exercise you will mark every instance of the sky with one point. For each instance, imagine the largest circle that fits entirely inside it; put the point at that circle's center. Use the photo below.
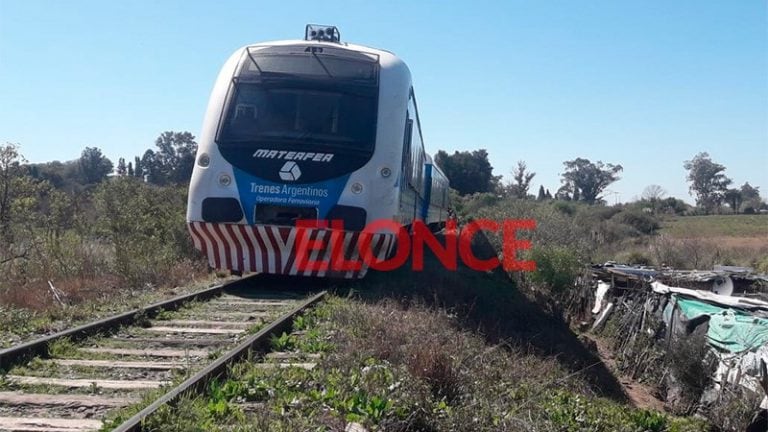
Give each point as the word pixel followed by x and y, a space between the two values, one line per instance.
pixel 645 84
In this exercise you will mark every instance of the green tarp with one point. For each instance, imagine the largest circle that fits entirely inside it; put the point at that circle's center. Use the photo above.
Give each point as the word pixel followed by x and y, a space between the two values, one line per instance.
pixel 730 329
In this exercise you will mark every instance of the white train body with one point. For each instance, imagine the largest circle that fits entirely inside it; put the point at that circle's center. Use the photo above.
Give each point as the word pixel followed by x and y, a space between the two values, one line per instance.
pixel 306 130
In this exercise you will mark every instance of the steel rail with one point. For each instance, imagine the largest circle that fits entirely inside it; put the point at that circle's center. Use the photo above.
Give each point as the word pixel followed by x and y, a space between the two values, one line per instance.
pixel 19 353
pixel 256 343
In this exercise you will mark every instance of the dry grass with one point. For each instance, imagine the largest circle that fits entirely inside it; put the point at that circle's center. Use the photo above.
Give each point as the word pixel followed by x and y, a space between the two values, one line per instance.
pixel 38 295
pixel 433 347
pixel 30 309
pixel 717 226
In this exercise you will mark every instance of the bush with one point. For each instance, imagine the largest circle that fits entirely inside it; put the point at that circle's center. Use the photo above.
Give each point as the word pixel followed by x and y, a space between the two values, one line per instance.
pixel 734 409
pixel 761 265
pixel 690 370
pixel 636 258
pixel 471 204
pixel 556 267
pixel 613 231
pixel 601 213
pixel 565 207
pixel 146 227
pixel 642 222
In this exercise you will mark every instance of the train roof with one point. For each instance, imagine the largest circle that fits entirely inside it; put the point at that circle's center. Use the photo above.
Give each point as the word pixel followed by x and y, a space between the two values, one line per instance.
pixel 381 53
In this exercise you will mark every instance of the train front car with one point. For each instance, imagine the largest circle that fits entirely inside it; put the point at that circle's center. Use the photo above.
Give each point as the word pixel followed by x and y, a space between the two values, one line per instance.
pixel 306 130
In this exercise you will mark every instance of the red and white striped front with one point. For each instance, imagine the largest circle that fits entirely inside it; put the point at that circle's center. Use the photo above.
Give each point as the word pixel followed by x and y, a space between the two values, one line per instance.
pixel 275 249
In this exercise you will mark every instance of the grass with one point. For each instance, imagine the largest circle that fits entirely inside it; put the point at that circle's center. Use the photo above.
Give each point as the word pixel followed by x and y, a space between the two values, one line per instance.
pixel 395 368
pixel 717 226
pixel 23 320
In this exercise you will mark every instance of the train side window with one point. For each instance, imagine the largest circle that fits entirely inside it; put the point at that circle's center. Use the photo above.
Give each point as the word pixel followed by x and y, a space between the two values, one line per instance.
pixel 416 173
pixel 407 139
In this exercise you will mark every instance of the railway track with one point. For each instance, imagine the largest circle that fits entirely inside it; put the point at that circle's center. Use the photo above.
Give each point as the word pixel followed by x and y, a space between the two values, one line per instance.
pixel 73 380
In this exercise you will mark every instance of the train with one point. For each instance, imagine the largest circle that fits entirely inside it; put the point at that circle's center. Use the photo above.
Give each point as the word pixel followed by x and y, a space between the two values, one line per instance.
pixel 310 130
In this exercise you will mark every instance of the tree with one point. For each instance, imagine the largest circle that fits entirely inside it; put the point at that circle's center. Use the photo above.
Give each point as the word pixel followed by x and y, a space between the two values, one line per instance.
pixel 175 157
pixel 62 175
pixel 576 194
pixel 749 192
pixel 468 172
pixel 542 195
pixel 93 166
pixel 653 194
pixel 130 169
pixel 587 180
pixel 734 198
pixel 150 168
pixel 522 181
pixel 672 205
pixel 10 170
pixel 750 196
pixel 121 169
pixel 564 193
pixel 708 183
pixel 138 170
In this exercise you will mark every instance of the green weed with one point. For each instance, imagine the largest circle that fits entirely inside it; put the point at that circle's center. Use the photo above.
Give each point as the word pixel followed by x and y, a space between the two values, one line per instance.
pixel 284 342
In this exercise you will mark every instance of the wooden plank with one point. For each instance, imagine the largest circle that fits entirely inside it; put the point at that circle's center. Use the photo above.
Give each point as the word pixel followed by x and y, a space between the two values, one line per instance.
pixel 78 383
pixel 259 303
pixel 238 315
pixel 203 323
pixel 147 352
pixel 263 297
pixel 39 424
pixel 307 366
pixel 151 365
pixel 235 314
pixel 143 341
pixel 219 308
pixel 291 355
pixel 194 330
pixel 64 400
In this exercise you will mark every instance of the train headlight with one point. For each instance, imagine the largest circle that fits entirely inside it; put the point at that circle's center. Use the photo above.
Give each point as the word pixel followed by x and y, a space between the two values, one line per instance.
pixel 385 172
pixel 204 160
pixel 356 188
pixel 225 180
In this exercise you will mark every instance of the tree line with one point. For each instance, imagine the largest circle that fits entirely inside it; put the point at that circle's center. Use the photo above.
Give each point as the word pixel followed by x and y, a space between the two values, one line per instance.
pixel 585 181
pixel 170 163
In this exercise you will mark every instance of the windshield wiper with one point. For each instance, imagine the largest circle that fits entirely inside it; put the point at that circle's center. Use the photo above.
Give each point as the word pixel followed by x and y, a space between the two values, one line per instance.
pixel 322 64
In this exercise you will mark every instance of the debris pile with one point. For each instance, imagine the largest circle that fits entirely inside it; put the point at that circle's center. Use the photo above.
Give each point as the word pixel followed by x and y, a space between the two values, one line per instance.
pixel 727 306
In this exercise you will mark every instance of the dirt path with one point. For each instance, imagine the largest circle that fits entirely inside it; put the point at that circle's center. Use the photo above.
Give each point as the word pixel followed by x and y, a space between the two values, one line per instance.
pixel 639 394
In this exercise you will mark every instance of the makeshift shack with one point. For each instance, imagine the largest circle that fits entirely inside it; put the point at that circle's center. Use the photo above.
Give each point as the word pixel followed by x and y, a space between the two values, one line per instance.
pixel 728 304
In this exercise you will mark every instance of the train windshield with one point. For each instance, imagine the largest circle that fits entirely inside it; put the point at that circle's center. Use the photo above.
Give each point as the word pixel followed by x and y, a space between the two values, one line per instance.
pixel 259 114
pixel 302 98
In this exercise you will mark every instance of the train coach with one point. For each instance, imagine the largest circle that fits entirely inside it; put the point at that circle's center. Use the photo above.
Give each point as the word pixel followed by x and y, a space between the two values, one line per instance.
pixel 309 130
